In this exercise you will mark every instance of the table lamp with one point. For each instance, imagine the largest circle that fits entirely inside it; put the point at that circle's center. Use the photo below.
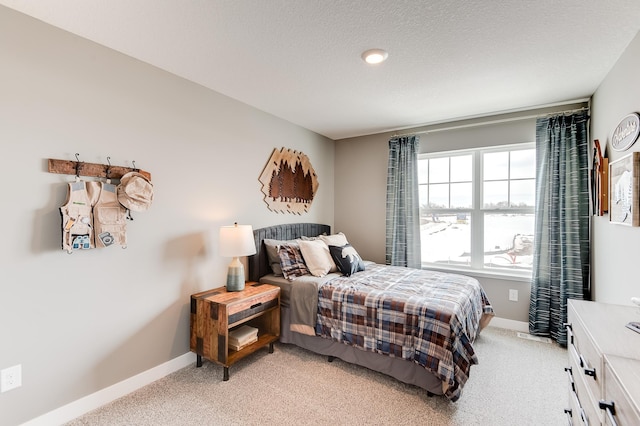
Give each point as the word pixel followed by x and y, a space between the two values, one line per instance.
pixel 236 241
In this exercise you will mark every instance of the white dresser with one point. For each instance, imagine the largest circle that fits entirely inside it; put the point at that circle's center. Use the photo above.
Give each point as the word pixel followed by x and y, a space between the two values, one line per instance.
pixel 604 364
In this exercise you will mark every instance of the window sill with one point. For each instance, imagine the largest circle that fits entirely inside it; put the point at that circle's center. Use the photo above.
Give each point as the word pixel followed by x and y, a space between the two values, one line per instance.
pixel 477 273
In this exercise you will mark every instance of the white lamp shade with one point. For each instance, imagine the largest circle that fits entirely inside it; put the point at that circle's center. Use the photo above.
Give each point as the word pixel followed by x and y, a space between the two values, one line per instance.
pixel 237 240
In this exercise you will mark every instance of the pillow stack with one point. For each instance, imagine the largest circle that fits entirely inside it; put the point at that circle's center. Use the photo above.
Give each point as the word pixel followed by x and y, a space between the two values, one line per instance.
pixel 317 256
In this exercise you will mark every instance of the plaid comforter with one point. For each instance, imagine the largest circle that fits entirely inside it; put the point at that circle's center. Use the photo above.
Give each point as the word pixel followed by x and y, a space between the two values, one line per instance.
pixel 429 317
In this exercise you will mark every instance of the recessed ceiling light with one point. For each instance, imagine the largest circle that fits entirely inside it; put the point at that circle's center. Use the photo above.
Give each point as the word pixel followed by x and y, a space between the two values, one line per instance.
pixel 375 56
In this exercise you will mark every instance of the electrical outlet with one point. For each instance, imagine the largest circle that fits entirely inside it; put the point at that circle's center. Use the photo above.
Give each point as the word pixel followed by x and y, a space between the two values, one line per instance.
pixel 513 295
pixel 11 378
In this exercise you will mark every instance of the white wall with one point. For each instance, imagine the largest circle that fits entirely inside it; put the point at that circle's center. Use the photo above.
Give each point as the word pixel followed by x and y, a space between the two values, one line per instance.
pixel 615 260
pixel 81 322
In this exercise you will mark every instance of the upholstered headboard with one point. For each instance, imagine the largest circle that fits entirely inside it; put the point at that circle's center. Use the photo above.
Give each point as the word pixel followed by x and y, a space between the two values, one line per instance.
pixel 259 263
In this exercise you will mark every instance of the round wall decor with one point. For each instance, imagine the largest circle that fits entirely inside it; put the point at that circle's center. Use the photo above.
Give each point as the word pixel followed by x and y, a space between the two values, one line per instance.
pixel 626 133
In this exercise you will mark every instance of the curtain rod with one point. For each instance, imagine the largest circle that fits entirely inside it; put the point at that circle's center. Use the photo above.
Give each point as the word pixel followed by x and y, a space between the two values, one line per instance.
pixel 486 123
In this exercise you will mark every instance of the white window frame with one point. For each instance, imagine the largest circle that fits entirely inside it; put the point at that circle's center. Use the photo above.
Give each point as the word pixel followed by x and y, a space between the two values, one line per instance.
pixel 477 212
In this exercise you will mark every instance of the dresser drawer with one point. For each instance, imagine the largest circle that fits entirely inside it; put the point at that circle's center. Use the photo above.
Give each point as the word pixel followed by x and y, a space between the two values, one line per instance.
pixel 574 413
pixel 599 344
pixel 588 357
pixel 625 408
pixel 589 413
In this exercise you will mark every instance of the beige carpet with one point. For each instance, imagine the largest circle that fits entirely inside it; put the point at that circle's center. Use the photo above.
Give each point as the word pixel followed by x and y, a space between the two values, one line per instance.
pixel 517 382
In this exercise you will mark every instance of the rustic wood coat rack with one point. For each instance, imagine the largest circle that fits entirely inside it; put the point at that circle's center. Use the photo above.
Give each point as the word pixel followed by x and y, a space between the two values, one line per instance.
pixel 80 168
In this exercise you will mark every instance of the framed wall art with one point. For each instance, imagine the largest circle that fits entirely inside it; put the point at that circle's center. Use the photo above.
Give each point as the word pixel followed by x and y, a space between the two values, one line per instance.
pixel 289 182
pixel 624 185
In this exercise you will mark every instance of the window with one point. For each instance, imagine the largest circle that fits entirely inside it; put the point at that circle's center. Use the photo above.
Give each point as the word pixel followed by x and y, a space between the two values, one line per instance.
pixel 477 208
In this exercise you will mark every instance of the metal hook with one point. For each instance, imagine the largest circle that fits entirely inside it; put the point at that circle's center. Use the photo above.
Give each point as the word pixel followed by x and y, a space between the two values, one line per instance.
pixel 77 165
pixel 108 172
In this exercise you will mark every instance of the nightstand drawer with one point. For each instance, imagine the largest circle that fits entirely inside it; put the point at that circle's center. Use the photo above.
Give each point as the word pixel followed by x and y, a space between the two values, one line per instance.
pixel 252 307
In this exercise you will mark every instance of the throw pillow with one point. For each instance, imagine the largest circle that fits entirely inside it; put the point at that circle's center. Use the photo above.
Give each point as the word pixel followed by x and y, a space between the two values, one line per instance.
pixel 317 257
pixel 338 239
pixel 347 259
pixel 291 262
pixel 272 253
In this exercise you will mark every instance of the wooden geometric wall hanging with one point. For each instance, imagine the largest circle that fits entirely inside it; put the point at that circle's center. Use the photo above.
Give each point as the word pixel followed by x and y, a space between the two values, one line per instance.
pixel 288 182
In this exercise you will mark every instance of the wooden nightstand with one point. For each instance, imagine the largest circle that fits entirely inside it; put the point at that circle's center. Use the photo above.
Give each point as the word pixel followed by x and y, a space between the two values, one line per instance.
pixel 214 312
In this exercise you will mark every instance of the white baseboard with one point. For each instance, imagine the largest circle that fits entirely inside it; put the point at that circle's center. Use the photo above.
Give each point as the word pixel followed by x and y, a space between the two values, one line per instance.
pixel 95 400
pixel 509 324
pixel 83 405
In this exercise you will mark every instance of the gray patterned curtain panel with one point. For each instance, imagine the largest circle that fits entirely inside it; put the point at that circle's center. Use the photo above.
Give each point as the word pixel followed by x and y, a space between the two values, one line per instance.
pixel 403 204
pixel 561 247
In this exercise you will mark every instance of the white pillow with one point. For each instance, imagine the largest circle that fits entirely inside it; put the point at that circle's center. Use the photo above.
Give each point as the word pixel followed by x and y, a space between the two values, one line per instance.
pixel 317 257
pixel 338 239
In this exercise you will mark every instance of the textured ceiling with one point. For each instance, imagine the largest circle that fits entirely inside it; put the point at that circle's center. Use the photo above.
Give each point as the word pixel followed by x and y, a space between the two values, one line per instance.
pixel 300 59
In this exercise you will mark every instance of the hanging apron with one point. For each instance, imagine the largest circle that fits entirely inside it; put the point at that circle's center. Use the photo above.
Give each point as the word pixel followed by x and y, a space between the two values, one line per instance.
pixel 77 216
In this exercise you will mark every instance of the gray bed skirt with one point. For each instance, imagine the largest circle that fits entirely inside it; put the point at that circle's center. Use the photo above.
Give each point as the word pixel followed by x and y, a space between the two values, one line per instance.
pixel 405 371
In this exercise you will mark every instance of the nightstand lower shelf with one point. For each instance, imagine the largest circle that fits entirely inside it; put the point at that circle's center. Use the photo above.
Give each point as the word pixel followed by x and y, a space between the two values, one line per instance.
pixel 235 356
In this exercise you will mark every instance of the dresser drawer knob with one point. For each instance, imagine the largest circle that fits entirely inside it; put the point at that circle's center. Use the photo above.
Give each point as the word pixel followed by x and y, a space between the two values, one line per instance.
pixel 590 372
pixel 587 371
pixel 610 408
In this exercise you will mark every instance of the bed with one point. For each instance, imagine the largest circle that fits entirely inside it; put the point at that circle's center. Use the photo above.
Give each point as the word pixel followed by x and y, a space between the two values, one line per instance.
pixel 414 325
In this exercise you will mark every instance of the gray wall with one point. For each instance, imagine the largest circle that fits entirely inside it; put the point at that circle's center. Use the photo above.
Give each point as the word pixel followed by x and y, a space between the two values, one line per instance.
pixel 361 168
pixel 79 323
pixel 82 322
pixel 615 260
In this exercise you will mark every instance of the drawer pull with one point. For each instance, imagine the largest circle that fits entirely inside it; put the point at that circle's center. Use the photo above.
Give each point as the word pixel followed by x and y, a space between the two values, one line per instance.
pixel 590 372
pixel 610 408
pixel 255 306
pixel 568 412
pixel 570 375
pixel 569 329
pixel 587 371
